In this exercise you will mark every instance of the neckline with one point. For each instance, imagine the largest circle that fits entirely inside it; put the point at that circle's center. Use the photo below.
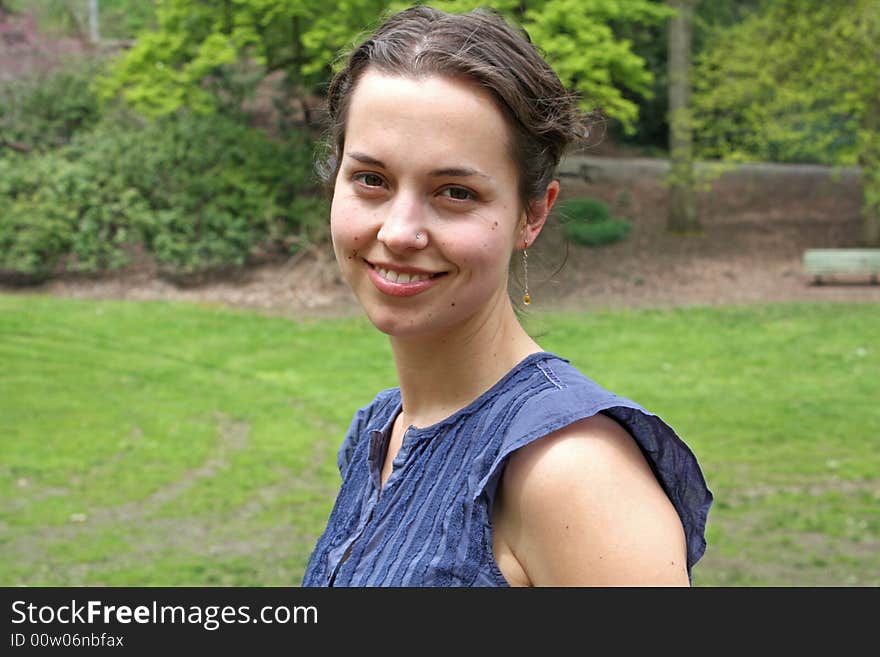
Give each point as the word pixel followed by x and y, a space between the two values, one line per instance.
pixel 469 408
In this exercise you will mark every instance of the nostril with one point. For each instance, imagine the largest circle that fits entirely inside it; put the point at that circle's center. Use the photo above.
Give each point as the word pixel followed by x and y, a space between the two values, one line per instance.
pixel 403 238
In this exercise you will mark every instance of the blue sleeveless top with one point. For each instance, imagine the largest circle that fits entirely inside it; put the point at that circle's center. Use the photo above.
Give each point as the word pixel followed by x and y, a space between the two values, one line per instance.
pixel 431 524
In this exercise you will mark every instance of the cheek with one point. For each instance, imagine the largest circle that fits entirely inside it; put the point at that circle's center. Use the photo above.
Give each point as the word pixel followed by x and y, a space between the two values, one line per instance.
pixel 346 234
pixel 484 255
pixel 337 218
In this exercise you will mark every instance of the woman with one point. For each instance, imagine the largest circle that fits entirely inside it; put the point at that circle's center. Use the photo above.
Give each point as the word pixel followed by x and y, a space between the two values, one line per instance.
pixel 494 462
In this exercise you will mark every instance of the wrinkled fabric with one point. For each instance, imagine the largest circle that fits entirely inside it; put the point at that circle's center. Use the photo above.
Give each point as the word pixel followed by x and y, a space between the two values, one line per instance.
pixel 430 526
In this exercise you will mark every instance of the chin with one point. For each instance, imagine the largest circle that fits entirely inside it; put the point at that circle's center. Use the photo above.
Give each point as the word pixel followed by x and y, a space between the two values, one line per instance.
pixel 401 324
pixel 395 325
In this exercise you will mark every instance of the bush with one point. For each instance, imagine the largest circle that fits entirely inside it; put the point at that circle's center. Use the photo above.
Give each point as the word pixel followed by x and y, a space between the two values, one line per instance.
pixel 30 241
pixel 217 189
pixel 54 211
pixel 46 112
pixel 197 192
pixel 588 222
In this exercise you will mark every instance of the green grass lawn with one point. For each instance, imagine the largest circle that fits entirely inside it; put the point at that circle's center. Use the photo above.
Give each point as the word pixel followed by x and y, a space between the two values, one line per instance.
pixel 174 444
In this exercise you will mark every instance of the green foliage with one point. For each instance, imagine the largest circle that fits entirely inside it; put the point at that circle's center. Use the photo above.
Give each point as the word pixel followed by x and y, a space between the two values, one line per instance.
pixel 81 185
pixel 215 188
pixel 60 212
pixel 795 82
pixel 650 42
pixel 118 19
pixel 30 241
pixel 46 111
pixel 583 41
pixel 580 42
pixel 194 41
pixel 197 193
pixel 125 19
pixel 801 95
pixel 585 210
pixel 218 190
pixel 588 222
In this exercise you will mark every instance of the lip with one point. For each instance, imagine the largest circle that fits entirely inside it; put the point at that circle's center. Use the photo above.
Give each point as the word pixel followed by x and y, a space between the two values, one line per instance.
pixel 395 289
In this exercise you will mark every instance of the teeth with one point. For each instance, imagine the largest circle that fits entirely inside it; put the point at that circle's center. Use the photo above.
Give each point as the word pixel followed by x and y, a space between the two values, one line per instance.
pixel 395 277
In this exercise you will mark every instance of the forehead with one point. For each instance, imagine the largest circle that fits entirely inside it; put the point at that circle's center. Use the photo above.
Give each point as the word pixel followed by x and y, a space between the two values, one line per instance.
pixel 425 118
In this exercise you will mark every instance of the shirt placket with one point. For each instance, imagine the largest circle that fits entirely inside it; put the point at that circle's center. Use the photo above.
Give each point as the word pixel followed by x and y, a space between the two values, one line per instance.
pixel 377 442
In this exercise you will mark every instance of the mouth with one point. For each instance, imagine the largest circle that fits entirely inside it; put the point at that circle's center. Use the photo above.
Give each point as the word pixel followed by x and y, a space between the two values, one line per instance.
pixel 400 281
pixel 397 276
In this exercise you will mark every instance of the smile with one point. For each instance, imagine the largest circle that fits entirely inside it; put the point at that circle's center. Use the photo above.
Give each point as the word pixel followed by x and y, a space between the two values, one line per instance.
pixel 397 283
pixel 397 277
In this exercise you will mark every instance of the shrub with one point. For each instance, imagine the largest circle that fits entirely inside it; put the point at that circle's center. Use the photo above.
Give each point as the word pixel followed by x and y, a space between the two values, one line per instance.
pixel 197 192
pixel 216 188
pixel 45 112
pixel 587 221
pixel 30 243
pixel 54 211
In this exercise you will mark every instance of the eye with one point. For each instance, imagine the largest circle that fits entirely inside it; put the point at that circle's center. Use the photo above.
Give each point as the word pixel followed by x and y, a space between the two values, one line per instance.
pixel 369 179
pixel 458 194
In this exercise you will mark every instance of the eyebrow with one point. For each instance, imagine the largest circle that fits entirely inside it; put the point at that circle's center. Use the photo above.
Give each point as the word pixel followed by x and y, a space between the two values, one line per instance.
pixel 452 172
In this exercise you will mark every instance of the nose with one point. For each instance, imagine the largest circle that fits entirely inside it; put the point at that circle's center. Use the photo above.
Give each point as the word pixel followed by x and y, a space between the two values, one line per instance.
pixel 403 228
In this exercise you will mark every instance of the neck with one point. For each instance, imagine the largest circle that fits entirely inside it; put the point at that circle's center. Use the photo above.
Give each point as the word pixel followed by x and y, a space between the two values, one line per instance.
pixel 442 373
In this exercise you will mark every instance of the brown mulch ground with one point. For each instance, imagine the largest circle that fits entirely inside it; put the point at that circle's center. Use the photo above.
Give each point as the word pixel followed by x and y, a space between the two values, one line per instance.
pixel 755 229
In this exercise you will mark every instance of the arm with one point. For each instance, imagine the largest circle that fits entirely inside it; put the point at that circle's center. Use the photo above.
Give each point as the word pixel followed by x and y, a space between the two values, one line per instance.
pixel 581 507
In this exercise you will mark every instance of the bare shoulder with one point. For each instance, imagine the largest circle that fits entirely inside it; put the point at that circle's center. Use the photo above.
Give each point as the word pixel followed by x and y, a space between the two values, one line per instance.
pixel 581 506
pixel 596 450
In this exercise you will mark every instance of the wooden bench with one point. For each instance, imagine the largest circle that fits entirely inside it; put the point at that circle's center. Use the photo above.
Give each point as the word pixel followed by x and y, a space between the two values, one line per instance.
pixel 829 262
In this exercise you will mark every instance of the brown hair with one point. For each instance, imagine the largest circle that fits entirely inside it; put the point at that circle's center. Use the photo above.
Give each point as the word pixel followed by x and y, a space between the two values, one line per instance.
pixel 479 46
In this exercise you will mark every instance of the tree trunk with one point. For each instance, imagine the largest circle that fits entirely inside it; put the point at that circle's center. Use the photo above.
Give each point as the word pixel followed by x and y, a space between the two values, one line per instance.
pixel 869 162
pixel 870 174
pixel 682 203
pixel 94 24
pixel 872 227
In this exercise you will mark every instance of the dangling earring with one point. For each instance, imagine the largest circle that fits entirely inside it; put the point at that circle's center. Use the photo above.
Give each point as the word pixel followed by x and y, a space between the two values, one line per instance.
pixel 527 298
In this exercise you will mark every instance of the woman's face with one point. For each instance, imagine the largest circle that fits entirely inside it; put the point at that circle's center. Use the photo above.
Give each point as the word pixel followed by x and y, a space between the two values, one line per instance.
pixel 425 210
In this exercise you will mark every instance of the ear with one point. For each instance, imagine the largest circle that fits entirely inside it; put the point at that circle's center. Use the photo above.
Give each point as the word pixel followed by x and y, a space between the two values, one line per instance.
pixel 540 209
